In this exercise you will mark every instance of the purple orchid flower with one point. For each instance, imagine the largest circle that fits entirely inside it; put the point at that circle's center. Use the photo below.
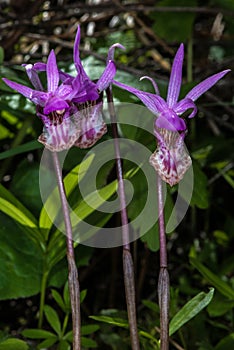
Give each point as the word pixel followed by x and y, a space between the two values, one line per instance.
pixel 53 106
pixel 72 110
pixel 55 97
pixel 89 105
pixel 171 160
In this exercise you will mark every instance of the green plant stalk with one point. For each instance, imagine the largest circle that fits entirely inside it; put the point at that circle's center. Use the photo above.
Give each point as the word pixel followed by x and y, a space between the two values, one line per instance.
pixel 182 339
pixel 42 297
pixel 163 280
pixel 128 268
pixel 73 282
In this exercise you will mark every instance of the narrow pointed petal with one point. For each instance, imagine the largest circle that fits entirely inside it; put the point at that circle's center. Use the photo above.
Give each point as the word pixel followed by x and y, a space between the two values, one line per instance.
pixel 76 87
pixel 76 53
pixel 83 90
pixel 184 105
pixel 111 52
pixel 64 91
pixel 65 76
pixel 76 57
pixel 40 66
pixel 154 103
pixel 107 76
pixel 52 73
pixel 33 76
pixel 176 77
pixel 24 90
pixel 155 85
pixel 205 85
pixel 39 98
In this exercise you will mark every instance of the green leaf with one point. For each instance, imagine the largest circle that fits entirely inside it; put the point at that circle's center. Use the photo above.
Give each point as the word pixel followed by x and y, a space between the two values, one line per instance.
pixel 220 306
pixel 69 336
pixel 83 294
pixel 21 261
pixel 229 180
pixel 127 38
pixel 85 330
pixel 70 182
pixel 77 174
pixel 151 305
pixel 212 278
pixel 13 344
pixel 63 345
pixel 89 329
pixel 190 310
pixel 66 296
pixel 26 147
pixel 19 213
pixel 111 320
pixel 53 319
pixel 47 343
pixel 37 334
pixel 59 300
pixel 25 185
pixel 167 25
pixel 8 196
pixel 92 202
pixel 150 337
pixel 15 213
pixel 88 343
pixel 152 237
pixel 58 273
pixel 114 340
pixel 57 250
pixel 200 196
pixel 144 202
pixel 226 343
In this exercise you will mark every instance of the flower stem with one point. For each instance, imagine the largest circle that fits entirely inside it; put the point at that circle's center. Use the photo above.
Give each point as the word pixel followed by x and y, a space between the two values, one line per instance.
pixel 128 269
pixel 163 281
pixel 73 281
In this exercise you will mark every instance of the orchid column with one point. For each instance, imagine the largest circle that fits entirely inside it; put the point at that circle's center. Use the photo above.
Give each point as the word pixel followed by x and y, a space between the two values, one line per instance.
pixel 170 159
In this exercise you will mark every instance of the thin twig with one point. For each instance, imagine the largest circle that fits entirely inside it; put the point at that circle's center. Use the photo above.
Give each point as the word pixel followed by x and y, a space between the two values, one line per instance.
pixel 137 7
pixel 219 102
pixel 128 269
pixel 73 281
pixel 221 172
